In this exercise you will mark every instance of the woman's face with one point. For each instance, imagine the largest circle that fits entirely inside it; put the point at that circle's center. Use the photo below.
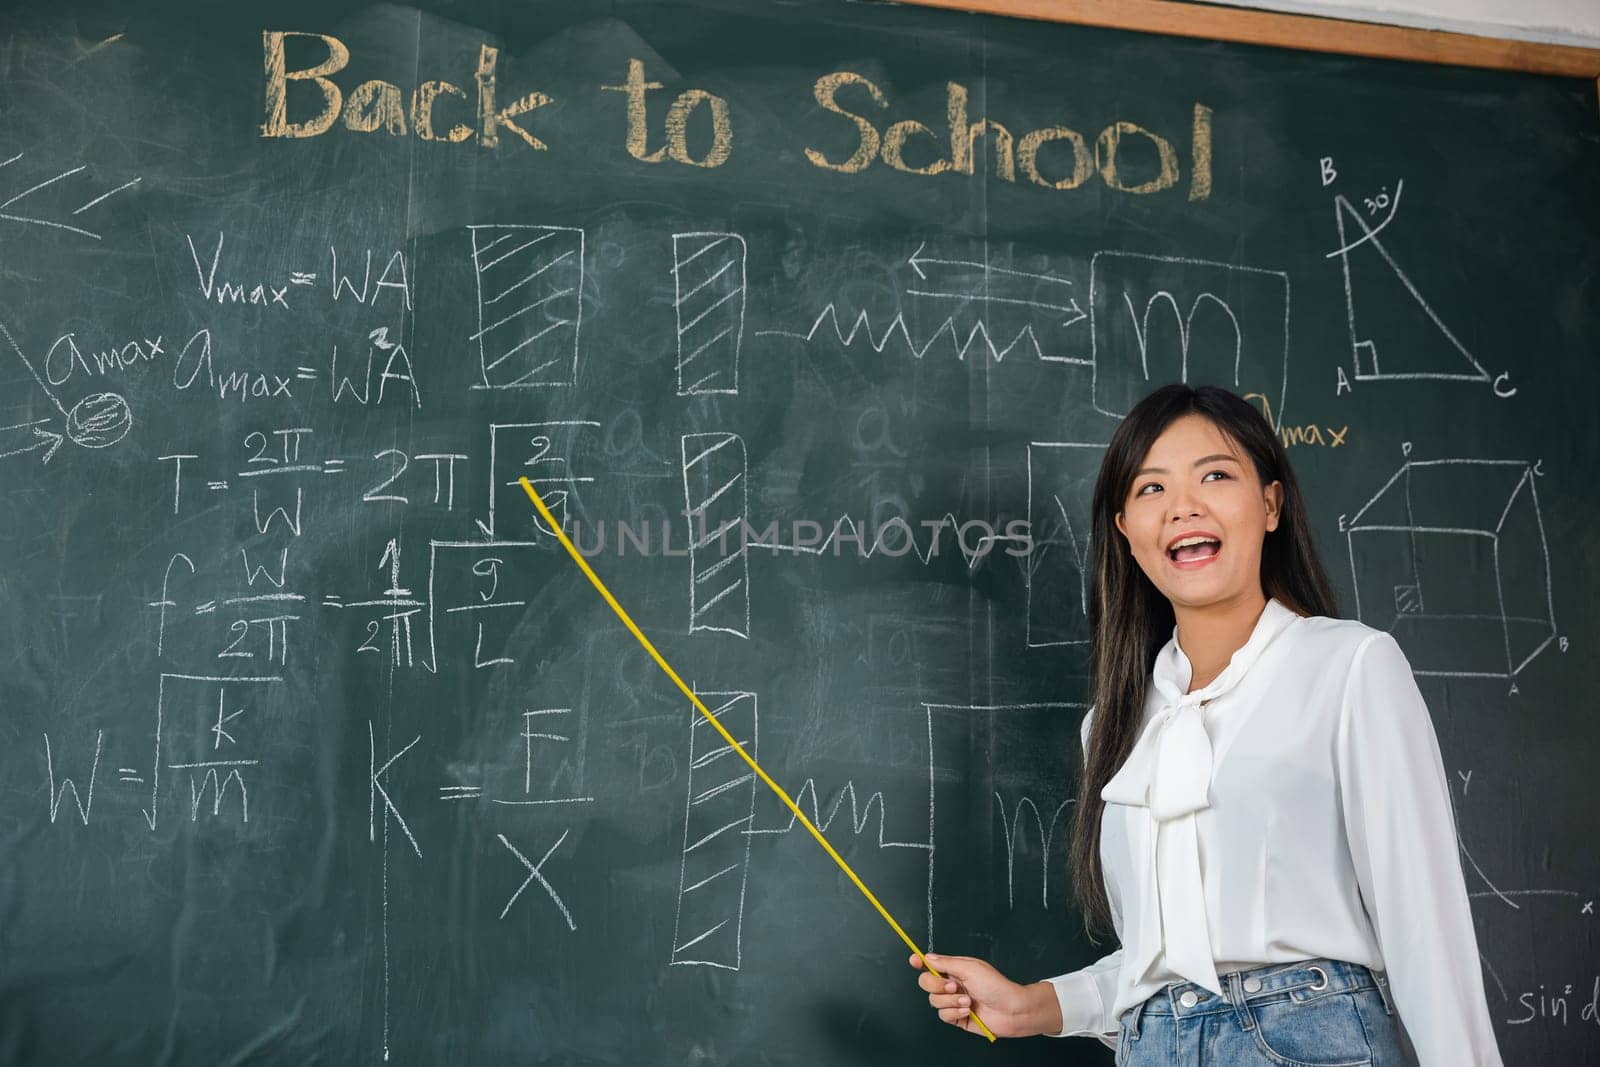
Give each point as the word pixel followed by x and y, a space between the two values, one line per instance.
pixel 1196 483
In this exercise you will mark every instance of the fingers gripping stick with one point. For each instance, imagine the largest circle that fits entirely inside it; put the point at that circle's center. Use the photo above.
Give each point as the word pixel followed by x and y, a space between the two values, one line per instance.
pixel 788 802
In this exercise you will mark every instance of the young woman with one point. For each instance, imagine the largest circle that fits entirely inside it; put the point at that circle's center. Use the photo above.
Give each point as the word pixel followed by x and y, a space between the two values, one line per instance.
pixel 1263 818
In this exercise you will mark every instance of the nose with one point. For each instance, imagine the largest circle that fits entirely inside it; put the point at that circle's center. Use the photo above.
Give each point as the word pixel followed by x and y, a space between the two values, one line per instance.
pixel 1183 503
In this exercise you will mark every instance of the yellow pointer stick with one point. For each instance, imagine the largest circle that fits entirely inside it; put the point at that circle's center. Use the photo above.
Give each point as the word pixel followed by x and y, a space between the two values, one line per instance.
pixel 583 565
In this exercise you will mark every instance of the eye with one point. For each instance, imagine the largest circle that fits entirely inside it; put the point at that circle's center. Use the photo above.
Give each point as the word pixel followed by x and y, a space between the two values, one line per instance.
pixel 1224 473
pixel 1147 485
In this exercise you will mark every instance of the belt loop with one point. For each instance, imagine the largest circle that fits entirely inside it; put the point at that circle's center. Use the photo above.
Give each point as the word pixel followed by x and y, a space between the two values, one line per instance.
pixel 1241 1007
pixel 1382 979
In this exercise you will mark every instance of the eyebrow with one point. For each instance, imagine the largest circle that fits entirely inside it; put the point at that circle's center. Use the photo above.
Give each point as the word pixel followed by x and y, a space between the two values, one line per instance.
pixel 1202 461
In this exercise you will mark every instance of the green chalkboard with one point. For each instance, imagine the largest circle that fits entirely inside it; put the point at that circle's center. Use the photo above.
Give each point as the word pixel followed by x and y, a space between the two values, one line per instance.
pixel 810 319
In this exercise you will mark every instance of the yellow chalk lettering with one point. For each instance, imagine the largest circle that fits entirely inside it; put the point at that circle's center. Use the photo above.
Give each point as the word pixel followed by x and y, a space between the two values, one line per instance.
pixel 1005 164
pixel 422 112
pixel 963 134
pixel 1028 157
pixel 528 103
pixel 955 109
pixel 1200 143
pixel 825 89
pixel 372 104
pixel 277 122
pixel 894 143
pixel 678 128
pixel 491 119
pixel 1105 154
pixel 638 124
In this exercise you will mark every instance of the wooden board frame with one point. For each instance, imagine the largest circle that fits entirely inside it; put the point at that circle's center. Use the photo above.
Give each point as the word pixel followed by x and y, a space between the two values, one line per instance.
pixel 1305 32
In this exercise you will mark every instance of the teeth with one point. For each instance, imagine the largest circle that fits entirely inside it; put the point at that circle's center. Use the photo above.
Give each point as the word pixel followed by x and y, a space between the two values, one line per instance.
pixel 1191 541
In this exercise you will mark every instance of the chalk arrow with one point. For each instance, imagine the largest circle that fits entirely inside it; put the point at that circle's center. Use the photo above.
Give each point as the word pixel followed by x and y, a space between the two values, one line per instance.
pixel 1074 313
pixel 918 261
pixel 48 440
pixel 996 283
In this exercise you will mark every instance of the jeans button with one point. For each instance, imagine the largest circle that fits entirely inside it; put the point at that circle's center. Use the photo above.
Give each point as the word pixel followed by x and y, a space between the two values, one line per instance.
pixel 1252 985
pixel 1189 1000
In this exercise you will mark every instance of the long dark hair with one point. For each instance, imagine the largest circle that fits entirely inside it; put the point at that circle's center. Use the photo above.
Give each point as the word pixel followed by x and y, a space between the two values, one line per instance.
pixel 1130 619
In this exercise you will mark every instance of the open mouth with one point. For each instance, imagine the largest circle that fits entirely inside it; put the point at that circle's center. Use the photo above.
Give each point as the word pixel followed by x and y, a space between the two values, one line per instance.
pixel 1194 550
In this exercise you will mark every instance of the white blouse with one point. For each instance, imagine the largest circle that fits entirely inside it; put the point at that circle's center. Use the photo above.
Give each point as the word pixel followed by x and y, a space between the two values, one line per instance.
pixel 1296 807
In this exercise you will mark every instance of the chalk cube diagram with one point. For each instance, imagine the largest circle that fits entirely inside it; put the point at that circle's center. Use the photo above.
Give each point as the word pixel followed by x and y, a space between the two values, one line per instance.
pixel 1450 557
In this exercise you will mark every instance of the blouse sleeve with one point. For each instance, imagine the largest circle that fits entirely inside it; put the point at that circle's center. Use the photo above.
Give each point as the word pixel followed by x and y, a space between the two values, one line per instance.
pixel 1400 822
pixel 1086 996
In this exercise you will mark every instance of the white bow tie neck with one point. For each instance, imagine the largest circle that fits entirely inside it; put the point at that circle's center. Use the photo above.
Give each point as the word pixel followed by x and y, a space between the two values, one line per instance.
pixel 1169 774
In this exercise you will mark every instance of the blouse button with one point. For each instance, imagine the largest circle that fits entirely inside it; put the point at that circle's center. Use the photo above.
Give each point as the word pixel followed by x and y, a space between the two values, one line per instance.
pixel 1252 985
pixel 1189 1000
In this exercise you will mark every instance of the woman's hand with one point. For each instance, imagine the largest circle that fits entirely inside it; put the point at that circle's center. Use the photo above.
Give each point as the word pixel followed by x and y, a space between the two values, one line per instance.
pixel 970 985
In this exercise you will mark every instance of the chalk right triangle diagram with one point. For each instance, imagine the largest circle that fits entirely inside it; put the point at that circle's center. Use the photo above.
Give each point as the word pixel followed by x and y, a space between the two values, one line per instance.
pixel 1394 333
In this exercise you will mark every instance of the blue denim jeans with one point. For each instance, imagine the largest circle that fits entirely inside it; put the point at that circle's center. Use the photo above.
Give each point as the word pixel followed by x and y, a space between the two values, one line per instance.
pixel 1311 1013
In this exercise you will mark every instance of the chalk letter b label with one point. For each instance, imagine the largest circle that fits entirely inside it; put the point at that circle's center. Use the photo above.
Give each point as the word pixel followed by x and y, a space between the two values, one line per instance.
pixel 278 78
